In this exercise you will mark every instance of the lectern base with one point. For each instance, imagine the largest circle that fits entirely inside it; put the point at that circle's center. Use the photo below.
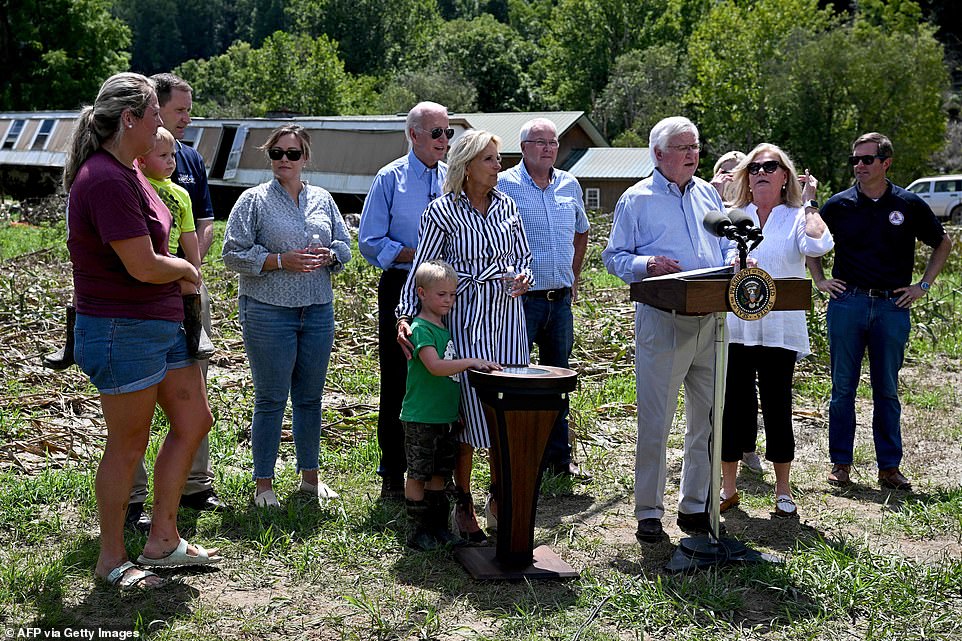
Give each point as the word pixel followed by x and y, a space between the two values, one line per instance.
pixel 481 564
pixel 700 551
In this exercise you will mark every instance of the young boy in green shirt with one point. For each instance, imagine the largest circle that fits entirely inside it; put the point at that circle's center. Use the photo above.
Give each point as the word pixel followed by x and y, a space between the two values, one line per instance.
pixel 429 411
pixel 157 165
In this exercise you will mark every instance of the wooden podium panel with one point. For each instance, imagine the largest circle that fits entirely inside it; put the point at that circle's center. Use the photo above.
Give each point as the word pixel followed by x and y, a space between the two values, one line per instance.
pixel 705 295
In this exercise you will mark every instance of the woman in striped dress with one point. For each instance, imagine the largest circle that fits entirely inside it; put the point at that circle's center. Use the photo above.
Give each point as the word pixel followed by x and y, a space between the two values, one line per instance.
pixel 476 229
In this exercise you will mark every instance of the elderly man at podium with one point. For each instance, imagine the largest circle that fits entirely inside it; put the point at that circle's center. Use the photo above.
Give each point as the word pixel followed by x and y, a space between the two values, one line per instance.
pixel 658 230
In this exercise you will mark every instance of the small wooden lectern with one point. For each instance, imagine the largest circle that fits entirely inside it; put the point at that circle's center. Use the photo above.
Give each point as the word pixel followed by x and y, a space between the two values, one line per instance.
pixel 707 292
pixel 521 405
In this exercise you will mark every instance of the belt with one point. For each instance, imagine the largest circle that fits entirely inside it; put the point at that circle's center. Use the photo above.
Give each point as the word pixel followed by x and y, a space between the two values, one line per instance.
pixel 550 294
pixel 876 293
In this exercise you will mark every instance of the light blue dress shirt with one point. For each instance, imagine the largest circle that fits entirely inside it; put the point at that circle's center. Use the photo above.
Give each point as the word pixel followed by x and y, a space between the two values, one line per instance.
pixel 392 210
pixel 656 218
pixel 551 217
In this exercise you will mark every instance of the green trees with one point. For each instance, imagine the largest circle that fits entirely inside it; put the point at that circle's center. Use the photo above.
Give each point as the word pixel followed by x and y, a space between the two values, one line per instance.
pixel 54 54
pixel 788 72
pixel 289 73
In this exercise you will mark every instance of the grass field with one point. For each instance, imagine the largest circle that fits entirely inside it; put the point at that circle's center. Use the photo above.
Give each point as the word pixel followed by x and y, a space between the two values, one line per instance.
pixel 860 563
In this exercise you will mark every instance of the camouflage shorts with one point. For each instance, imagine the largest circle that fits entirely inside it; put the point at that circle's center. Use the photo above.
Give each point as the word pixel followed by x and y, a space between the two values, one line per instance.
pixel 431 449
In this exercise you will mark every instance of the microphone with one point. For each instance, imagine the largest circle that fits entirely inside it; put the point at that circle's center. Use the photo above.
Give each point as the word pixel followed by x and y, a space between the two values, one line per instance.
pixel 745 224
pixel 719 224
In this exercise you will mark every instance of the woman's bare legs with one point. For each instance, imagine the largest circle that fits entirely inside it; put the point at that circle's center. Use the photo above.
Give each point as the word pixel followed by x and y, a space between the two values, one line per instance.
pixel 729 476
pixel 128 419
pixel 782 484
pixel 183 398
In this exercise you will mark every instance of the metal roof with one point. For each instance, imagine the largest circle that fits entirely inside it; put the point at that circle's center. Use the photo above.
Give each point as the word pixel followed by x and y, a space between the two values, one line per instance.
pixel 613 163
pixel 507 125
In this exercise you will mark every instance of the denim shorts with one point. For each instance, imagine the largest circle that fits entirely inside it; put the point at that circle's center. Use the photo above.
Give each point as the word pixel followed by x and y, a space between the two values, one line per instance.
pixel 123 355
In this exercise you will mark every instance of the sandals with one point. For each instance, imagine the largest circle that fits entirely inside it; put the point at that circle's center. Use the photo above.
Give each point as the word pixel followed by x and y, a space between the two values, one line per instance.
pixel 119 578
pixel 785 507
pixel 180 557
pixel 463 518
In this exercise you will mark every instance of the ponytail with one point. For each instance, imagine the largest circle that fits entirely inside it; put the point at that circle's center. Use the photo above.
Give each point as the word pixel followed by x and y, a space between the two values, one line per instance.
pixel 101 122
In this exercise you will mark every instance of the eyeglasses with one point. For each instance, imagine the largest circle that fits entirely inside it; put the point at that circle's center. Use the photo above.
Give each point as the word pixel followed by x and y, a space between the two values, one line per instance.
pixel 437 132
pixel 693 147
pixel 541 142
pixel 769 167
pixel 276 153
pixel 865 160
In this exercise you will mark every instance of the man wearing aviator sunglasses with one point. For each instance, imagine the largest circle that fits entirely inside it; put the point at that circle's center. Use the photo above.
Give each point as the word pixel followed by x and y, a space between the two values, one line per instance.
pixel 875 225
pixel 387 238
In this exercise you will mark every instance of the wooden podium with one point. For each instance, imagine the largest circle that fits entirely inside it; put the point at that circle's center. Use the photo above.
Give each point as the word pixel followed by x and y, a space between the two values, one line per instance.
pixel 699 292
pixel 521 405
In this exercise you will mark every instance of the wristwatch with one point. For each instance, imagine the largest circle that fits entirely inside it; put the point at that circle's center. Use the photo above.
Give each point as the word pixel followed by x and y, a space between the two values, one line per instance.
pixel 925 286
pixel 812 203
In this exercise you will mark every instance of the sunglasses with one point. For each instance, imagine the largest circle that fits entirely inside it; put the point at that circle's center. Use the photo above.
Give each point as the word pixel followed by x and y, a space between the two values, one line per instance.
pixel 437 132
pixel 276 153
pixel 769 167
pixel 865 160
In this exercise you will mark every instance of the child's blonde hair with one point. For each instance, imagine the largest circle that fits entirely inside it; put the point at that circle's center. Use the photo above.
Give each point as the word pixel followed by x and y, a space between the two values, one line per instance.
pixel 434 271
pixel 165 135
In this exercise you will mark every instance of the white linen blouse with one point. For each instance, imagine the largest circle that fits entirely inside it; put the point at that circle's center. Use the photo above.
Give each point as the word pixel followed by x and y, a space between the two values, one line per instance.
pixel 782 254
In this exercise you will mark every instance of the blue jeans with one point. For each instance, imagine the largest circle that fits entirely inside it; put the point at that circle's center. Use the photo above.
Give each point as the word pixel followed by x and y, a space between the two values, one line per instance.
pixel 289 349
pixel 856 322
pixel 550 324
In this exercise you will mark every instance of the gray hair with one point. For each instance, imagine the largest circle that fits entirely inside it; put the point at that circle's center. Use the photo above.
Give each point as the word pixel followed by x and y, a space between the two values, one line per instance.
pixel 531 124
pixel 466 149
pixel 665 129
pixel 416 116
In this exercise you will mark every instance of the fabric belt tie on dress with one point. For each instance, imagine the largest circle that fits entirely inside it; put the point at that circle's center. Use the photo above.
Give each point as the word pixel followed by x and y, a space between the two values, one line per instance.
pixel 489 277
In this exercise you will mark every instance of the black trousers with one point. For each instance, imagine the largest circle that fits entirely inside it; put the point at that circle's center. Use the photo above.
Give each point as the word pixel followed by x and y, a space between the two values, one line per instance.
pixel 394 375
pixel 773 369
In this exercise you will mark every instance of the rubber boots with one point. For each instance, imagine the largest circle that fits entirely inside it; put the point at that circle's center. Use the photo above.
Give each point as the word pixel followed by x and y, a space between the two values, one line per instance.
pixel 63 358
pixel 419 514
pixel 438 502
pixel 198 342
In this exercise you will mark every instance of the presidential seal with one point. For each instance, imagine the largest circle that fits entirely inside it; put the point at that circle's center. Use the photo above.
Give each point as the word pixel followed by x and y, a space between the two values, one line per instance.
pixel 751 293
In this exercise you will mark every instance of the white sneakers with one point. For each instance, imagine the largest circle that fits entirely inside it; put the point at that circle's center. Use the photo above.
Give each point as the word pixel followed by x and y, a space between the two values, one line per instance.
pixel 752 462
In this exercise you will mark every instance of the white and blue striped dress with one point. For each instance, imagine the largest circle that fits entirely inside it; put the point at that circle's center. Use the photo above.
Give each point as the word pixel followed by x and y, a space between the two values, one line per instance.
pixel 484 322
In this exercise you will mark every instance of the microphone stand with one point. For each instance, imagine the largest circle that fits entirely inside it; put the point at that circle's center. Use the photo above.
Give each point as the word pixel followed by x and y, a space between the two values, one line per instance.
pixel 712 550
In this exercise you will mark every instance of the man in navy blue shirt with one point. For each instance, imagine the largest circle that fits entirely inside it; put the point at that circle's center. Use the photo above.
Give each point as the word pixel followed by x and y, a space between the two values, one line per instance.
pixel 875 225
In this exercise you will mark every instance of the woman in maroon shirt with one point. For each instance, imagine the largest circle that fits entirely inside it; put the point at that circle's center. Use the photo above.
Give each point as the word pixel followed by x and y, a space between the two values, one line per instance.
pixel 129 334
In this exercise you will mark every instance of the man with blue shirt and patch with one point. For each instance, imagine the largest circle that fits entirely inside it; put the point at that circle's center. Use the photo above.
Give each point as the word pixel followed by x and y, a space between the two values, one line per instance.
pixel 387 238
pixel 658 229
pixel 875 225
pixel 551 206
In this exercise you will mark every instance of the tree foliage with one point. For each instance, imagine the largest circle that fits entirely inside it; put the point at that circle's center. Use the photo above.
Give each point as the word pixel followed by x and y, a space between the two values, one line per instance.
pixel 371 37
pixel 295 74
pixel 55 54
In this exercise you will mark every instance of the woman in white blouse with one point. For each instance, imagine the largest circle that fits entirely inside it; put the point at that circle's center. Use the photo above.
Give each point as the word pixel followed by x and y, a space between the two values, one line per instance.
pixel 766 186
pixel 286 238
pixel 477 229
